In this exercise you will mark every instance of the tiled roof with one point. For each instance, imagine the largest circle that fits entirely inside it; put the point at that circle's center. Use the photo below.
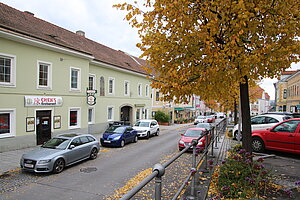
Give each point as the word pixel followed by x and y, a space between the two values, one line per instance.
pixel 288 72
pixel 256 92
pixel 27 25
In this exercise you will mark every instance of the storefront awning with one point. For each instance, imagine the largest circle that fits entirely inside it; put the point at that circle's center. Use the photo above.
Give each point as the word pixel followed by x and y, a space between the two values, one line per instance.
pixel 178 109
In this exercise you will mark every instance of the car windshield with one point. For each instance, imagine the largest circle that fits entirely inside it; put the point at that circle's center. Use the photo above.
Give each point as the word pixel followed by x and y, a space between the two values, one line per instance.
pixel 116 129
pixel 142 124
pixel 193 133
pixel 57 143
pixel 203 125
pixel 201 117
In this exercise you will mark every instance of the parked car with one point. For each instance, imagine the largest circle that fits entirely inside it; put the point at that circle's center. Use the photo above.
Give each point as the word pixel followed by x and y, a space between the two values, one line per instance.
pixel 59 152
pixel 262 122
pixel 207 126
pixel 191 134
pixel 210 119
pixel 220 115
pixel 284 136
pixel 200 119
pixel 146 128
pixel 118 135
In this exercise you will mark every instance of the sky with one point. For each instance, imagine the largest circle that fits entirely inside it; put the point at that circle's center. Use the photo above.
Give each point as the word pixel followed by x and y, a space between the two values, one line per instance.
pixel 100 22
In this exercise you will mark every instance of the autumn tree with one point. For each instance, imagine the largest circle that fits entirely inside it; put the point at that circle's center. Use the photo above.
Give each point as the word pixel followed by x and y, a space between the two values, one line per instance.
pixel 196 46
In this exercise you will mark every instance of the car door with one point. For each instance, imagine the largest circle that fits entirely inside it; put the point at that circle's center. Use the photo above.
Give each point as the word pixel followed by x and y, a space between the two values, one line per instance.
pixel 281 137
pixel 258 123
pixel 76 153
pixel 85 146
pixel 154 127
pixel 129 134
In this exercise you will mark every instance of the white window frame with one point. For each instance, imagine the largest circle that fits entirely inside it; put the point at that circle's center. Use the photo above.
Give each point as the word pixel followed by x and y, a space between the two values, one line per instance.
pixel 93 115
pixel 147 90
pixel 49 77
pixel 13 70
pixel 112 113
pixel 113 86
pixel 12 112
pixel 78 109
pixel 78 89
pixel 140 90
pixel 94 81
pixel 128 88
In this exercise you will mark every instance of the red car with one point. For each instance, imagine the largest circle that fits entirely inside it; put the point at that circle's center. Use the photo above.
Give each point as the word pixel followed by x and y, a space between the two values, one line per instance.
pixel 284 136
pixel 210 119
pixel 191 134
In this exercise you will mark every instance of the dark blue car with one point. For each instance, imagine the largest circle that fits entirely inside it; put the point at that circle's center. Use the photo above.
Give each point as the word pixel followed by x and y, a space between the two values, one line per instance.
pixel 118 136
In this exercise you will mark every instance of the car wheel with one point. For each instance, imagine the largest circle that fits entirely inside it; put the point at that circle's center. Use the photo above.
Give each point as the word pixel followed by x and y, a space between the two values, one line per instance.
pixel 135 139
pixel 148 135
pixel 258 145
pixel 236 135
pixel 58 166
pixel 122 144
pixel 94 153
pixel 157 132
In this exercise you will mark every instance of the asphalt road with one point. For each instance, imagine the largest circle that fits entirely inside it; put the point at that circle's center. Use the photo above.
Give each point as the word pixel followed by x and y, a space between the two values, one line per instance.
pixel 95 179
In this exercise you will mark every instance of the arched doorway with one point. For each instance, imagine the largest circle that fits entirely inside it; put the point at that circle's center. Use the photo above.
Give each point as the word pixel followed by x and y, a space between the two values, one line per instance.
pixel 126 114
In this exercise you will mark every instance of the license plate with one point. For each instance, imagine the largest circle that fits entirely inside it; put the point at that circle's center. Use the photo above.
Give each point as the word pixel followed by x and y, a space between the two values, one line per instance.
pixel 28 165
pixel 106 141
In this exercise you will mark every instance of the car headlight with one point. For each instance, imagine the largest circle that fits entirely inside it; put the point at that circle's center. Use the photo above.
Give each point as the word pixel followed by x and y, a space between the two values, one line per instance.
pixel 181 142
pixel 200 143
pixel 44 161
pixel 117 138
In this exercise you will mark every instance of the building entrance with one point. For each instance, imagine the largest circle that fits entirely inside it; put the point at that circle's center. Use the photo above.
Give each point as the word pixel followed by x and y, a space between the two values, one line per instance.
pixel 43 126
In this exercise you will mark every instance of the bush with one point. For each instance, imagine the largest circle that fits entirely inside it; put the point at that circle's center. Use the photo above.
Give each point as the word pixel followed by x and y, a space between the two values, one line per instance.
pixel 241 177
pixel 161 117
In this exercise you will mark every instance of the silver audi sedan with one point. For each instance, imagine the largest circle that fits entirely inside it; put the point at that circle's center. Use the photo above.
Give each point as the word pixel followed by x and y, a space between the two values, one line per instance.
pixel 59 152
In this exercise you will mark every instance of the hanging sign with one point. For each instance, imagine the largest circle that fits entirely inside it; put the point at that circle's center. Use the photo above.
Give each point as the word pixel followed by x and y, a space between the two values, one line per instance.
pixel 91 98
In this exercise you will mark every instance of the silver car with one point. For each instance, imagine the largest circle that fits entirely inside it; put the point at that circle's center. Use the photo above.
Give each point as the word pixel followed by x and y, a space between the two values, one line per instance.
pixel 59 152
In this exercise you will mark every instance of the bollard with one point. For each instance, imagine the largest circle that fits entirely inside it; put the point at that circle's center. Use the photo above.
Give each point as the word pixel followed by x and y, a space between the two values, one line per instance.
pixel 161 171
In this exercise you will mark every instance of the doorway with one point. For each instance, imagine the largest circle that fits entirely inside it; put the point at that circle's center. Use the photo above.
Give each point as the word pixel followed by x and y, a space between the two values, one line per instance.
pixel 43 126
pixel 126 113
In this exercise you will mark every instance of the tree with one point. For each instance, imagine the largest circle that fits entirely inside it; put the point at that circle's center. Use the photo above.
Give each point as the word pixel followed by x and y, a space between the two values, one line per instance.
pixel 196 46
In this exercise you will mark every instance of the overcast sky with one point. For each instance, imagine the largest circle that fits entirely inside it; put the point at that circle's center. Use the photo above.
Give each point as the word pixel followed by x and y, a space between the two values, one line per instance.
pixel 99 21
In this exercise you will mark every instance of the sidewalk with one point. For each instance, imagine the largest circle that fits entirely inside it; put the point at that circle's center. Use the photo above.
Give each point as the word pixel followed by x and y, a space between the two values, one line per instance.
pixel 10 159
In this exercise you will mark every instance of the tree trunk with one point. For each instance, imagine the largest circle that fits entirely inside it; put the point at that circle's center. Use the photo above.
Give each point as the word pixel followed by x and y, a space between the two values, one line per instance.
pixel 235 113
pixel 246 120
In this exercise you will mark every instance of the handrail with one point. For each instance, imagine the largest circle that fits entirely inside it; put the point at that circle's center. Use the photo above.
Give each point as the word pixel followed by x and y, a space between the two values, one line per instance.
pixel 159 169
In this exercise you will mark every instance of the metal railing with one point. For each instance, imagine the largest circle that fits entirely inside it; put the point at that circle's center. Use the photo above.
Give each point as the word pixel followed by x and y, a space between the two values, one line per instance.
pixel 159 169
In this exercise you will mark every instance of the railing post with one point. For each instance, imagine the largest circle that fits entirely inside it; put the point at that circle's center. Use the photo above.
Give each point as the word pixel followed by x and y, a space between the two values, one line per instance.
pixel 193 171
pixel 212 139
pixel 161 171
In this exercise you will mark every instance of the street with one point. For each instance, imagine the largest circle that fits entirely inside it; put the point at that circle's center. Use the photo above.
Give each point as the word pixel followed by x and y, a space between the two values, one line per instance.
pixel 93 179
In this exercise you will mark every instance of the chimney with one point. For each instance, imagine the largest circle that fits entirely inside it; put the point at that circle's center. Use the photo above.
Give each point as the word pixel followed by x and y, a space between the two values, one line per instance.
pixel 29 13
pixel 81 33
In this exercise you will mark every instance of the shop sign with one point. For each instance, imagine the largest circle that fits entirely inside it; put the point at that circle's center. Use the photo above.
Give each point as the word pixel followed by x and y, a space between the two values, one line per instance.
pixel 91 98
pixel 43 101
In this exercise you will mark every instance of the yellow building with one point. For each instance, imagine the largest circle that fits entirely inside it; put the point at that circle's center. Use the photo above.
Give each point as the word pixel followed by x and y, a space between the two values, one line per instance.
pixel 287 94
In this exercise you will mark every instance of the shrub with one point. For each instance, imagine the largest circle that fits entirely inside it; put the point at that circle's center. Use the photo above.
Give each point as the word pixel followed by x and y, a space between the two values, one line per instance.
pixel 161 117
pixel 241 177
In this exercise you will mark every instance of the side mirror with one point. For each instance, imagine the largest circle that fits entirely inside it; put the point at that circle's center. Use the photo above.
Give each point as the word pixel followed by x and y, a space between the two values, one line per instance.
pixel 72 146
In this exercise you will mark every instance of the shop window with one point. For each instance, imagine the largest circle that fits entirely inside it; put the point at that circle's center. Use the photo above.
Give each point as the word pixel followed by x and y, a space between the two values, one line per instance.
pixel 74 119
pixel 7 123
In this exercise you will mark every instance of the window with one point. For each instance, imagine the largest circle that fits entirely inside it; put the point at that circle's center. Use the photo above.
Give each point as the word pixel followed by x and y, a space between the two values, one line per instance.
pixel 157 96
pixel 110 113
pixel 92 79
pixel 75 79
pixel 7 70
pixel 76 142
pixel 111 85
pixel 7 123
pixel 140 89
pixel 284 94
pixel 91 115
pixel 74 118
pixel 147 90
pixel 138 111
pixel 270 120
pixel 84 139
pixel 102 88
pixel 289 126
pixel 258 120
pixel 126 88
pixel 44 71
